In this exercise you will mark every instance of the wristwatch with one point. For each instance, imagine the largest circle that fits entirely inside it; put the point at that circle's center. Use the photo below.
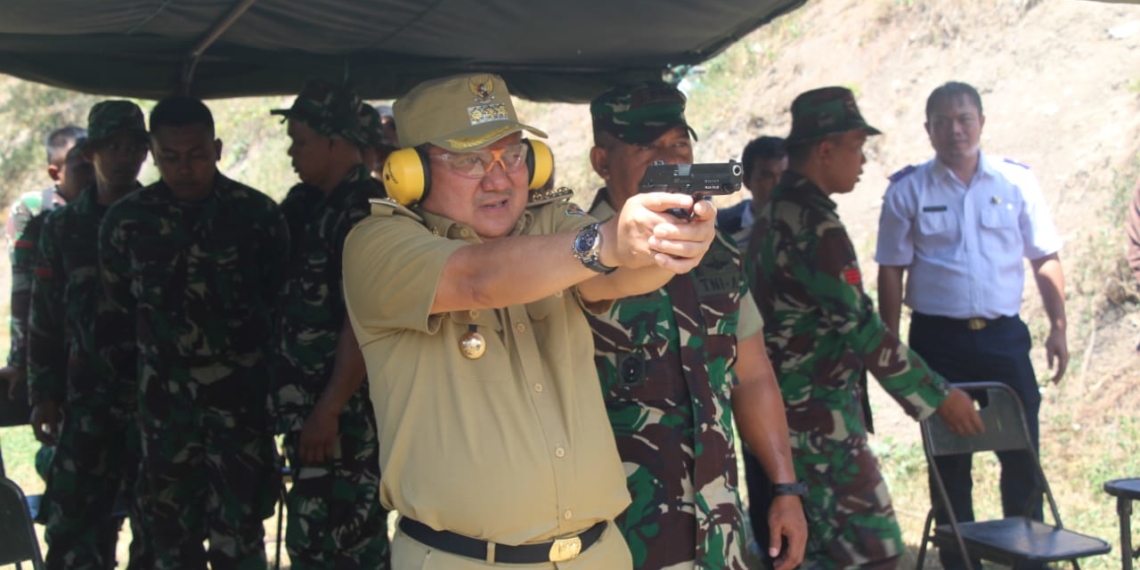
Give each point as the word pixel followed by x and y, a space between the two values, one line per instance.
pixel 587 245
pixel 799 489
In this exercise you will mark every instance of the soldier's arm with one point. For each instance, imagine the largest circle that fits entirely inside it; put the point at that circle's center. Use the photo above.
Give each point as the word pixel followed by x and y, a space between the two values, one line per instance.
pixel 831 272
pixel 318 435
pixel 47 347
pixel 274 255
pixel 23 269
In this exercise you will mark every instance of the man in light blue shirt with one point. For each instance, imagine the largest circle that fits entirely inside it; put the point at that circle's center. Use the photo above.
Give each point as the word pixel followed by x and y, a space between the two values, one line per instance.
pixel 960 224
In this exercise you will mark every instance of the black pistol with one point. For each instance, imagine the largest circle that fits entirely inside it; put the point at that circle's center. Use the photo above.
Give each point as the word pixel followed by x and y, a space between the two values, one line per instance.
pixel 697 180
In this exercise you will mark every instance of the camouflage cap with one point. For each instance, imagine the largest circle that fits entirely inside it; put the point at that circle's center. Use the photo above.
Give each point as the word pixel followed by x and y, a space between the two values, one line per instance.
pixel 640 113
pixel 371 129
pixel 109 118
pixel 824 111
pixel 328 108
pixel 461 113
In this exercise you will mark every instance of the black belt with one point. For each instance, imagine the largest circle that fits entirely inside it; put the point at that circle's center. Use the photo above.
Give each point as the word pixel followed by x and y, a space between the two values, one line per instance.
pixel 974 324
pixel 558 550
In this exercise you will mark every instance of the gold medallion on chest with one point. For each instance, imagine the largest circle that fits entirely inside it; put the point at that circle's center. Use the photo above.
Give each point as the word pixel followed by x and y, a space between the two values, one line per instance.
pixel 472 345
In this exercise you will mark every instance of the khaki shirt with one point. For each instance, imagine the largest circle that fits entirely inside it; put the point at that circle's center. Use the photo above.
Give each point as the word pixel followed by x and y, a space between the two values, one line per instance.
pixel 513 447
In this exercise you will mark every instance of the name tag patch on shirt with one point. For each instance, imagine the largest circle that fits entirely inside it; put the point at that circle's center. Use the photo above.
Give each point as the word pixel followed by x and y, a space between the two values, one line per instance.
pixel 718 275
pixel 852 276
pixel 934 208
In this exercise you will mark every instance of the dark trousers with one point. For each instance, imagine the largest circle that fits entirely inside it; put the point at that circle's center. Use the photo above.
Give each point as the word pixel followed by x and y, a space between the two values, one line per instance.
pixel 1000 353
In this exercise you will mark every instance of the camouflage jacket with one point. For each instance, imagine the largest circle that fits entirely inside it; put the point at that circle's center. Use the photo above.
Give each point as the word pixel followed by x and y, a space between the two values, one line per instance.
pixel 80 347
pixel 311 303
pixel 21 255
pixel 822 331
pixel 200 279
pixel 664 361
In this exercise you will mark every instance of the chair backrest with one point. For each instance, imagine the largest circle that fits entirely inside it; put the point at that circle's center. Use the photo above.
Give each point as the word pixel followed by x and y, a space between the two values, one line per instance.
pixel 18 541
pixel 1002 414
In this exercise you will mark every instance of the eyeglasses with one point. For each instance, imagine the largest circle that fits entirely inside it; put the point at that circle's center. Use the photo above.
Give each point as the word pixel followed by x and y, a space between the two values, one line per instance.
pixel 479 163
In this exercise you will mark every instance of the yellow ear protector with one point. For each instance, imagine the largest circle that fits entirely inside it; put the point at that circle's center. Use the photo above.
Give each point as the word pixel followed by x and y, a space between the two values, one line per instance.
pixel 407 172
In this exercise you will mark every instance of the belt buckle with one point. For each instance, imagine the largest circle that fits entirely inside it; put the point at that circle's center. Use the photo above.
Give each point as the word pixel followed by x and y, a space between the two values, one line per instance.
pixel 565 549
pixel 976 324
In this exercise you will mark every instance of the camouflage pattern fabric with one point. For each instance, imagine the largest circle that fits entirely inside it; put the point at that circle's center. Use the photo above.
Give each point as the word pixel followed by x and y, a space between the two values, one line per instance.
pixel 200 279
pixel 824 111
pixel 329 109
pixel 334 515
pixel 640 113
pixel 80 355
pixel 21 255
pixel 109 118
pixel 821 333
pixel 663 359
pixel 371 128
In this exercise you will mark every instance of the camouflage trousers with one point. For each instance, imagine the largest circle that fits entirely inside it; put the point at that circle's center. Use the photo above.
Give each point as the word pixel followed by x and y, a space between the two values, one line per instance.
pixel 335 520
pixel 210 480
pixel 95 463
pixel 851 522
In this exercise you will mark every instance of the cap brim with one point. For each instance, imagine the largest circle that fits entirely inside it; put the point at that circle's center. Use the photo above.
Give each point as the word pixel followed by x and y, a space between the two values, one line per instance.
pixel 480 136
pixel 792 140
pixel 91 142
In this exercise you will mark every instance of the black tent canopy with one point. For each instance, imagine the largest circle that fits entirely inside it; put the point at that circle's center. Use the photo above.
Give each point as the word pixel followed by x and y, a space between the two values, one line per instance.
pixel 549 50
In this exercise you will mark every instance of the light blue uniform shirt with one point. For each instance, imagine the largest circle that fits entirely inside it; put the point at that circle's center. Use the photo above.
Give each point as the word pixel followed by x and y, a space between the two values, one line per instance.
pixel 963 244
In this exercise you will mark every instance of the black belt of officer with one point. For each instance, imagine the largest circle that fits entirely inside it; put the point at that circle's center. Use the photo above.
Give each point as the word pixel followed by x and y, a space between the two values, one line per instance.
pixel 551 551
pixel 974 324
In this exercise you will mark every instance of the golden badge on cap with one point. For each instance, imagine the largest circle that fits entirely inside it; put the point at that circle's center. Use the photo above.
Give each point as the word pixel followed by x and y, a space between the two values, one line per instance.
pixel 472 345
pixel 482 87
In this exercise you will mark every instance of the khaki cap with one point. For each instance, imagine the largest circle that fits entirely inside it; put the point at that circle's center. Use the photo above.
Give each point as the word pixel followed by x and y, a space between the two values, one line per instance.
pixel 461 113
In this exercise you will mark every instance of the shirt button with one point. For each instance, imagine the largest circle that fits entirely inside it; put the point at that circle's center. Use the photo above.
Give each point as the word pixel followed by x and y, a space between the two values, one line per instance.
pixel 520 327
pixel 566 515
pixel 560 453
pixel 538 388
pixel 558 293
pixel 465 233
pixel 473 313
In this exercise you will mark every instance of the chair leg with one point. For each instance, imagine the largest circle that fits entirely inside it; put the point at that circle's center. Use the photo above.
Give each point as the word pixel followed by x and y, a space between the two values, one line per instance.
pixel 925 540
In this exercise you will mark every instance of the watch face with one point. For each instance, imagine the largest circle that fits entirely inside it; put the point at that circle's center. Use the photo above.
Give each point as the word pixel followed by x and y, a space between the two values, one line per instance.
pixel 586 241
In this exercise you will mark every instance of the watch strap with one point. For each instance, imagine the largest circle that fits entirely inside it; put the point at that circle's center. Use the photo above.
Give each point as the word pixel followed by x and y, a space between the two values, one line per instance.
pixel 799 489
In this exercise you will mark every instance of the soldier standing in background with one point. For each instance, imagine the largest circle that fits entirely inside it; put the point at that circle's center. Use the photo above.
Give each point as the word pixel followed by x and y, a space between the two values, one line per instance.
pixel 320 394
pixel 59 144
pixel 822 332
pixel 666 362
pixel 196 259
pixel 80 356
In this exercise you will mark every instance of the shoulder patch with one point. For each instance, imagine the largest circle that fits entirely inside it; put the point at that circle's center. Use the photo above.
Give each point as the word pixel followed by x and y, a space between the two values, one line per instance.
pixel 540 197
pixel 1016 163
pixel 906 170
pixel 387 207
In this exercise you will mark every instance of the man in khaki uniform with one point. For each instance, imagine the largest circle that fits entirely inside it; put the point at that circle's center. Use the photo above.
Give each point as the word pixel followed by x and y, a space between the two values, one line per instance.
pixel 468 306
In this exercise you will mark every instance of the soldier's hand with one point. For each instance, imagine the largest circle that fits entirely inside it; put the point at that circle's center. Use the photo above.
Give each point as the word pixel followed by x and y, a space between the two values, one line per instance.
pixel 960 415
pixel 45 422
pixel 14 376
pixel 318 436
pixel 786 522
pixel 648 234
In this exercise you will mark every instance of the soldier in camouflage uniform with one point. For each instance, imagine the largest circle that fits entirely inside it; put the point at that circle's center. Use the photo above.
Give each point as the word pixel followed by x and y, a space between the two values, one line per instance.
pixel 822 333
pixel 320 396
pixel 196 259
pixel 666 360
pixel 60 143
pixel 79 355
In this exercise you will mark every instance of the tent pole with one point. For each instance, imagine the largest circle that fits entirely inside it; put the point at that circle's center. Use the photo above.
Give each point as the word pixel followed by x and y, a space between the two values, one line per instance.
pixel 208 39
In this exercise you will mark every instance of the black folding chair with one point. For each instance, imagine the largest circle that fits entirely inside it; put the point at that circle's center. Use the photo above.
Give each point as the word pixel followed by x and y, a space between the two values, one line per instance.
pixel 18 542
pixel 1013 540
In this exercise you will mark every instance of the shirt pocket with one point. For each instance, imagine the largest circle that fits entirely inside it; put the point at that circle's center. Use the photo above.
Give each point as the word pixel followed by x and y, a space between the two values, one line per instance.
pixel 937 231
pixel 1000 229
